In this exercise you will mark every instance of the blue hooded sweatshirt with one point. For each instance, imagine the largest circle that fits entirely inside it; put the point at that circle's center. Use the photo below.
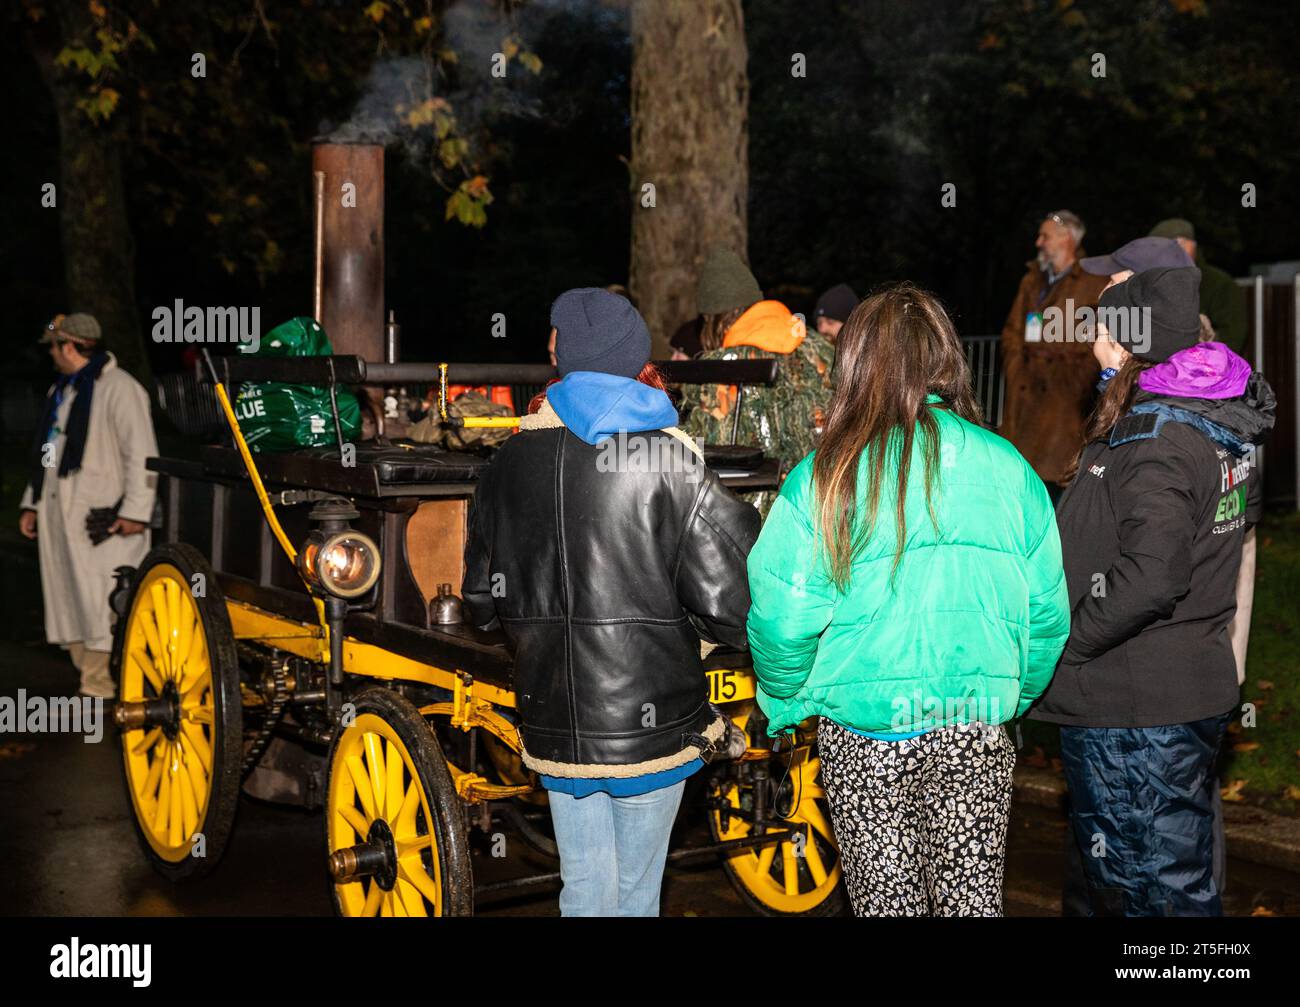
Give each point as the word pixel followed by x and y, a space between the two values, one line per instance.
pixel 594 406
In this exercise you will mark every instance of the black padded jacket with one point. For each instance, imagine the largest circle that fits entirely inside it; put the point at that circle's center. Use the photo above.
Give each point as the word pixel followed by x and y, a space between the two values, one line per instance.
pixel 1151 534
pixel 603 583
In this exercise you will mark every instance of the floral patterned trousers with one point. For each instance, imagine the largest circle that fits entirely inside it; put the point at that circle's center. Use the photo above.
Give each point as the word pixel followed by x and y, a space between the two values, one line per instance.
pixel 921 823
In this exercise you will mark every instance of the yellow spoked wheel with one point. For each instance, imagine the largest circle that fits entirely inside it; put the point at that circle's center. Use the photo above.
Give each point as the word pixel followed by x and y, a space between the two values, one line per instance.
pixel 393 825
pixel 800 874
pixel 178 711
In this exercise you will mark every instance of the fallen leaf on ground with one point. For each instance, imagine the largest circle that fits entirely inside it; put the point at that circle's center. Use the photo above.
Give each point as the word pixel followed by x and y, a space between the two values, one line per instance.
pixel 1262 911
pixel 1293 792
pixel 1245 746
pixel 1264 683
pixel 1232 792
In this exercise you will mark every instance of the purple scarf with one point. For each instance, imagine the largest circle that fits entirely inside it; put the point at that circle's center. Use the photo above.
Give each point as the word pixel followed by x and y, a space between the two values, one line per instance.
pixel 1203 371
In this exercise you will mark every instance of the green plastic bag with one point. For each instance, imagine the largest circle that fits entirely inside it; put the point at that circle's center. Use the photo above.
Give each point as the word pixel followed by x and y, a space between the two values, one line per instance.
pixel 281 417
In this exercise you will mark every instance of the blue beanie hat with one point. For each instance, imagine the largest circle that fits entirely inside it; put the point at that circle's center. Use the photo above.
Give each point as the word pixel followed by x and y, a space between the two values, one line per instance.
pixel 599 331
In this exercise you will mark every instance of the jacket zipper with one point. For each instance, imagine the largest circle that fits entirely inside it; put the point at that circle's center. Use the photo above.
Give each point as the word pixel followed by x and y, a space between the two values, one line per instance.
pixel 564 596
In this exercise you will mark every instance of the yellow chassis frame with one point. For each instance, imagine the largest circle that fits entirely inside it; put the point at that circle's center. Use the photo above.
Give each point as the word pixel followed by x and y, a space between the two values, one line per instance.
pixel 473 703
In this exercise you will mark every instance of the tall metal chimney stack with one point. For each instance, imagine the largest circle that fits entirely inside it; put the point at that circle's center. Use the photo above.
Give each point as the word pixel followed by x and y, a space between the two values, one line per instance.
pixel 349 280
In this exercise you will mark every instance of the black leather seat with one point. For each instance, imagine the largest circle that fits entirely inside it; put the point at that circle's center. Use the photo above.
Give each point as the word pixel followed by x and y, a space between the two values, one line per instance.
pixel 732 456
pixel 402 463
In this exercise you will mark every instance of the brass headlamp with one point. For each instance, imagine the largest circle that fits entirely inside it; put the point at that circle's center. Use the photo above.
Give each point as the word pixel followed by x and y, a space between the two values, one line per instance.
pixel 336 559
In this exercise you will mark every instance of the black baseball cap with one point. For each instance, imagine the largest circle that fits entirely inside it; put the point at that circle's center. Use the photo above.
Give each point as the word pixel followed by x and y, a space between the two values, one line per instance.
pixel 1139 255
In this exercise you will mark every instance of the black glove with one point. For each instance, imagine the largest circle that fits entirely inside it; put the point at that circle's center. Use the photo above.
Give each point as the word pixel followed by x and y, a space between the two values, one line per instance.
pixel 99 520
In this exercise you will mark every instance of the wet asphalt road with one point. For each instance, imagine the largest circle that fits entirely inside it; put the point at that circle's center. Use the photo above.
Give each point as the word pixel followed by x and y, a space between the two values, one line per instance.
pixel 69 847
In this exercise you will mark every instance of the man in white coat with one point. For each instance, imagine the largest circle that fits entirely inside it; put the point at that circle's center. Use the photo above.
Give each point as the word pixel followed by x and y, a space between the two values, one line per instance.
pixel 89 455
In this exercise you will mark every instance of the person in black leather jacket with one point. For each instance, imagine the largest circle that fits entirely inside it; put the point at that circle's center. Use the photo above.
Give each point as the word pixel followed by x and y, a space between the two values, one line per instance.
pixel 605 549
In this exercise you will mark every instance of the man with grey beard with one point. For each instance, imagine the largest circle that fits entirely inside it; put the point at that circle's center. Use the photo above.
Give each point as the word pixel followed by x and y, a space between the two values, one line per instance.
pixel 1049 383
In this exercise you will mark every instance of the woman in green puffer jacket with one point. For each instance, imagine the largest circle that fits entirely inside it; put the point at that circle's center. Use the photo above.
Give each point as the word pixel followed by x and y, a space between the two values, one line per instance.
pixel 907 589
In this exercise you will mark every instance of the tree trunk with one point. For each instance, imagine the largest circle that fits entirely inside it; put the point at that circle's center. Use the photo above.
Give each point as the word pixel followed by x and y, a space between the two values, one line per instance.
pixel 690 141
pixel 98 250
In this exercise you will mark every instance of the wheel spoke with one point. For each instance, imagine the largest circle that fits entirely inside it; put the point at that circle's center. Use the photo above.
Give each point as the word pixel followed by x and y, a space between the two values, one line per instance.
pixel 195 660
pixel 412 902
pixel 174 814
pixel 357 770
pixel 765 857
pixel 412 872
pixel 355 820
pixel 393 795
pixel 373 897
pixel 172 591
pixel 147 669
pixel 158 595
pixel 191 671
pixel 811 812
pixel 147 742
pixel 189 805
pixel 406 847
pixel 789 868
pixel 198 779
pixel 164 791
pixel 148 794
pixel 148 623
pixel 199 715
pixel 813 858
pixel 375 764
pixel 193 733
pixel 403 822
pixel 194 693
pixel 185 634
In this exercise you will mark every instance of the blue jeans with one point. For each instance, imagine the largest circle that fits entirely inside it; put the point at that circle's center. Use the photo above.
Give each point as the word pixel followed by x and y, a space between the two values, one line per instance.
pixel 1142 808
pixel 612 850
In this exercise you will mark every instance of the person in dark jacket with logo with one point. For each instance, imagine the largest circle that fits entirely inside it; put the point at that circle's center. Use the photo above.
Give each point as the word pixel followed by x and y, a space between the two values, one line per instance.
pixel 1151 532
pixel 605 549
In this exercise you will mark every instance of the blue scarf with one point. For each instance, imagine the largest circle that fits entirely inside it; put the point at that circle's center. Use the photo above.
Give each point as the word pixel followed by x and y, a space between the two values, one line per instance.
pixel 83 383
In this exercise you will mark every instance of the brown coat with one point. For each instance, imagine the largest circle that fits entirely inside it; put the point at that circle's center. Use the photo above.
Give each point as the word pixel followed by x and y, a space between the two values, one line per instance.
pixel 1049 385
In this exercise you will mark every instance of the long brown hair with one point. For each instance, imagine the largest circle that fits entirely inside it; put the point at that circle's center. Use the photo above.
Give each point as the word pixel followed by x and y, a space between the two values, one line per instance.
pixel 1115 401
pixel 896 347
pixel 715 327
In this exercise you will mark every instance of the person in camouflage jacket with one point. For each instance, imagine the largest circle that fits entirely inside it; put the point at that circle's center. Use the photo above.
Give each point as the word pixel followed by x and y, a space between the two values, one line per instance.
pixel 783 418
